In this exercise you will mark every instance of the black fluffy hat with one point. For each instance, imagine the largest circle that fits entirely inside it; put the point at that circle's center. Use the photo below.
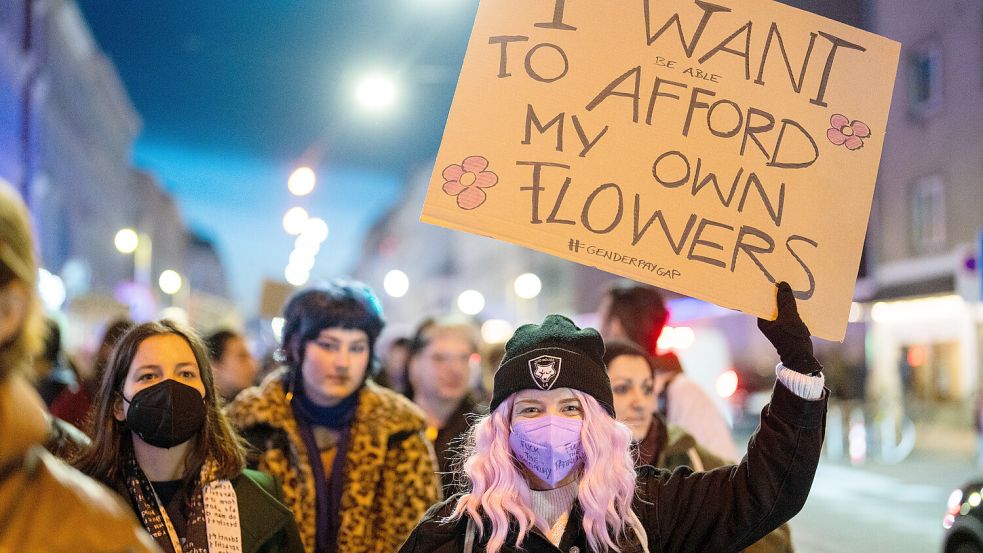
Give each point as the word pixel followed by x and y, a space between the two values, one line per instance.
pixel 555 354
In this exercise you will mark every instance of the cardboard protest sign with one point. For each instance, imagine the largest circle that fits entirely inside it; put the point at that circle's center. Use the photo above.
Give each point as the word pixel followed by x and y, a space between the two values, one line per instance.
pixel 710 148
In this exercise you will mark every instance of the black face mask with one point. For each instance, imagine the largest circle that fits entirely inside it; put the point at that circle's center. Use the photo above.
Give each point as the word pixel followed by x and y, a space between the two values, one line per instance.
pixel 166 414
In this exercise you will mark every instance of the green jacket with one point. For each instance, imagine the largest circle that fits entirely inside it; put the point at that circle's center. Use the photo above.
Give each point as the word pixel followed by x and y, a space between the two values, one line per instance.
pixel 267 525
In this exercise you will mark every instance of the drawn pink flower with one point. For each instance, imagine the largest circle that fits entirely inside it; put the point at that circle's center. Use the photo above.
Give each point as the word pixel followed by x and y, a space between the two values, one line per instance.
pixel 467 180
pixel 847 133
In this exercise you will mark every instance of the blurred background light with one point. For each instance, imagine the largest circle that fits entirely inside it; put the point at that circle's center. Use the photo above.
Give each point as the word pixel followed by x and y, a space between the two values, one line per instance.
pixel 527 286
pixel 396 283
pixel 52 290
pixel 170 282
pixel 126 240
pixel 376 92
pixel 301 181
pixel 496 331
pixel 294 220
pixel 471 302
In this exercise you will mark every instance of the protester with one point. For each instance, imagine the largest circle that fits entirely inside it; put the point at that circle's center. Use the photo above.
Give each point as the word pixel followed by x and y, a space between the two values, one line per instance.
pixel 551 467
pixel 161 441
pixel 440 371
pixel 659 443
pixel 233 364
pixel 357 469
pixel 638 313
pixel 45 505
pixel 62 387
pixel 115 330
pixel 393 373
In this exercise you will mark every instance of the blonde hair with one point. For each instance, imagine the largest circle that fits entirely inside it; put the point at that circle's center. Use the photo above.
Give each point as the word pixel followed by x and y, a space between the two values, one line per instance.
pixel 18 265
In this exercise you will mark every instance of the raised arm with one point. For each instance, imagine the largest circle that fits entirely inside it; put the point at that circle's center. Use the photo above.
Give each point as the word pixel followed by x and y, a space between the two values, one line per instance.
pixel 728 509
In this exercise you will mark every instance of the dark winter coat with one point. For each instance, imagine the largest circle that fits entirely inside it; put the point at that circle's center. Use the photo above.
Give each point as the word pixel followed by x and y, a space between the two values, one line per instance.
pixel 448 441
pixel 668 446
pixel 720 511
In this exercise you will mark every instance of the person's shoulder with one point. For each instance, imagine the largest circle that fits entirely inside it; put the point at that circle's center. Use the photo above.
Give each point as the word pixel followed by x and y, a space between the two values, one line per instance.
pixel 435 519
pixel 434 532
pixel 63 494
pixel 264 481
pixel 261 404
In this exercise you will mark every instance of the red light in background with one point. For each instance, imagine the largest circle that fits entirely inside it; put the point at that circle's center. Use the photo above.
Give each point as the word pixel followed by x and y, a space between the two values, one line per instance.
pixel 727 383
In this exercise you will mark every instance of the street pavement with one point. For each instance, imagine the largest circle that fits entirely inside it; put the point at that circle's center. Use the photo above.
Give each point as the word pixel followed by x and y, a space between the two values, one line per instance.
pixel 886 508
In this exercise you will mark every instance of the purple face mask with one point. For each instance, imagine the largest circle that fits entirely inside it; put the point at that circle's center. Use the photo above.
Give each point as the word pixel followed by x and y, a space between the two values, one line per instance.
pixel 549 446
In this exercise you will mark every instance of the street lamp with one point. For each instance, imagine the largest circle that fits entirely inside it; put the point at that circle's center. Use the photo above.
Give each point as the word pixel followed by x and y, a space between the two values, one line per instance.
pixel 396 283
pixel 471 302
pixel 141 246
pixel 126 240
pixel 294 220
pixel 527 286
pixel 301 181
pixel 376 92
pixel 170 282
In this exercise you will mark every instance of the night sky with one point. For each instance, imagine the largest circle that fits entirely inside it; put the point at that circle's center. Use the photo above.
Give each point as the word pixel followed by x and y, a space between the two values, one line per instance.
pixel 234 95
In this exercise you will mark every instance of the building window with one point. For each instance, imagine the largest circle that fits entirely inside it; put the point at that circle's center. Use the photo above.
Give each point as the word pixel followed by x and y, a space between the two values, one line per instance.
pixel 928 215
pixel 925 78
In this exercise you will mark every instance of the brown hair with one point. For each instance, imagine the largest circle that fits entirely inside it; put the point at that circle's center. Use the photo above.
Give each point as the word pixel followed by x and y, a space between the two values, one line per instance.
pixel 641 311
pixel 111 438
pixel 17 265
pixel 616 348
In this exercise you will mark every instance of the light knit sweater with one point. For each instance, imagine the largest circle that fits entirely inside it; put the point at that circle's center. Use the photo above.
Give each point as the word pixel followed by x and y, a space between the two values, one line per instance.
pixel 554 507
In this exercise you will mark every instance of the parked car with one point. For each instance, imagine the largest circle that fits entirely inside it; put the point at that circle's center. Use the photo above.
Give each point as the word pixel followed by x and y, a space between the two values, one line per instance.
pixel 964 520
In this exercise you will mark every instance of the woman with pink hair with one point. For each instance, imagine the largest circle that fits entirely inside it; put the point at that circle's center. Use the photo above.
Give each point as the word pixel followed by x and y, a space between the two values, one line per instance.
pixel 550 469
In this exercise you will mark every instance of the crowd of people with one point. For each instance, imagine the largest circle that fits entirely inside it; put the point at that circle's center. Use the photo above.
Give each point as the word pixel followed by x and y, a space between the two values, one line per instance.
pixel 570 439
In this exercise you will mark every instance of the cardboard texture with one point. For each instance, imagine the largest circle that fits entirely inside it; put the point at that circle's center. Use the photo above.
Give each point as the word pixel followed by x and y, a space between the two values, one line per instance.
pixel 709 148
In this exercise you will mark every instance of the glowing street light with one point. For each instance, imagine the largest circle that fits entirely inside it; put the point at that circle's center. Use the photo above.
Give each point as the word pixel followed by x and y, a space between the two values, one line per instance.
pixel 316 229
pixel 496 331
pixel 396 283
pixel 126 240
pixel 376 92
pixel 170 282
pixel 51 289
pixel 302 260
pixel 471 302
pixel 296 275
pixel 301 181
pixel 527 286
pixel 294 220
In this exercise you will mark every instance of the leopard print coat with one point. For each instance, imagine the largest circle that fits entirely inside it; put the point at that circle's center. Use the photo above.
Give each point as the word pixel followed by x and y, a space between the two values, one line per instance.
pixel 390 470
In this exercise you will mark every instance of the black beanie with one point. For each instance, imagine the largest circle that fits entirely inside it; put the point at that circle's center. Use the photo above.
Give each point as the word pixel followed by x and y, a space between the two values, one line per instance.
pixel 555 354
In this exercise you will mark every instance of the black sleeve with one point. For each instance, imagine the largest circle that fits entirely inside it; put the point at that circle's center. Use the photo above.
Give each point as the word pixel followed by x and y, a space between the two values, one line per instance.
pixel 730 508
pixel 431 534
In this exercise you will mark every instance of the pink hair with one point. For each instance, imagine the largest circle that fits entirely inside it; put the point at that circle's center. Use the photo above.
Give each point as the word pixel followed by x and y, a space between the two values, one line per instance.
pixel 498 489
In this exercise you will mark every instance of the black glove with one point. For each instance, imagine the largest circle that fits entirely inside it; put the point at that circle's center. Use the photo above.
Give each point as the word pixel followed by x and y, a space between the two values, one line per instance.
pixel 790 335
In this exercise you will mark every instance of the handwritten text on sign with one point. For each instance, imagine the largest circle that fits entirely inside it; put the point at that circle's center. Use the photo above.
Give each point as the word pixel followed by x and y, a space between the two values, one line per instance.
pixel 711 148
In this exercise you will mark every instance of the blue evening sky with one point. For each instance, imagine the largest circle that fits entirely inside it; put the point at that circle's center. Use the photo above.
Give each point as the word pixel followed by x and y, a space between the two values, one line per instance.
pixel 233 95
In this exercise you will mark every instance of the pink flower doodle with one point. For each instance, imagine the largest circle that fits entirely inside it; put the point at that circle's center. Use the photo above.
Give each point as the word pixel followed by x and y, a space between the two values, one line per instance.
pixel 467 180
pixel 847 133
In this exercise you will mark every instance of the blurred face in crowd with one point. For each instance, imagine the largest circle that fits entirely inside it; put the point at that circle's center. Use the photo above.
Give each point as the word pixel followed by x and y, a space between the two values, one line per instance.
pixel 609 326
pixel 159 358
pixel 236 369
pixel 631 382
pixel 395 363
pixel 14 301
pixel 334 364
pixel 442 370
